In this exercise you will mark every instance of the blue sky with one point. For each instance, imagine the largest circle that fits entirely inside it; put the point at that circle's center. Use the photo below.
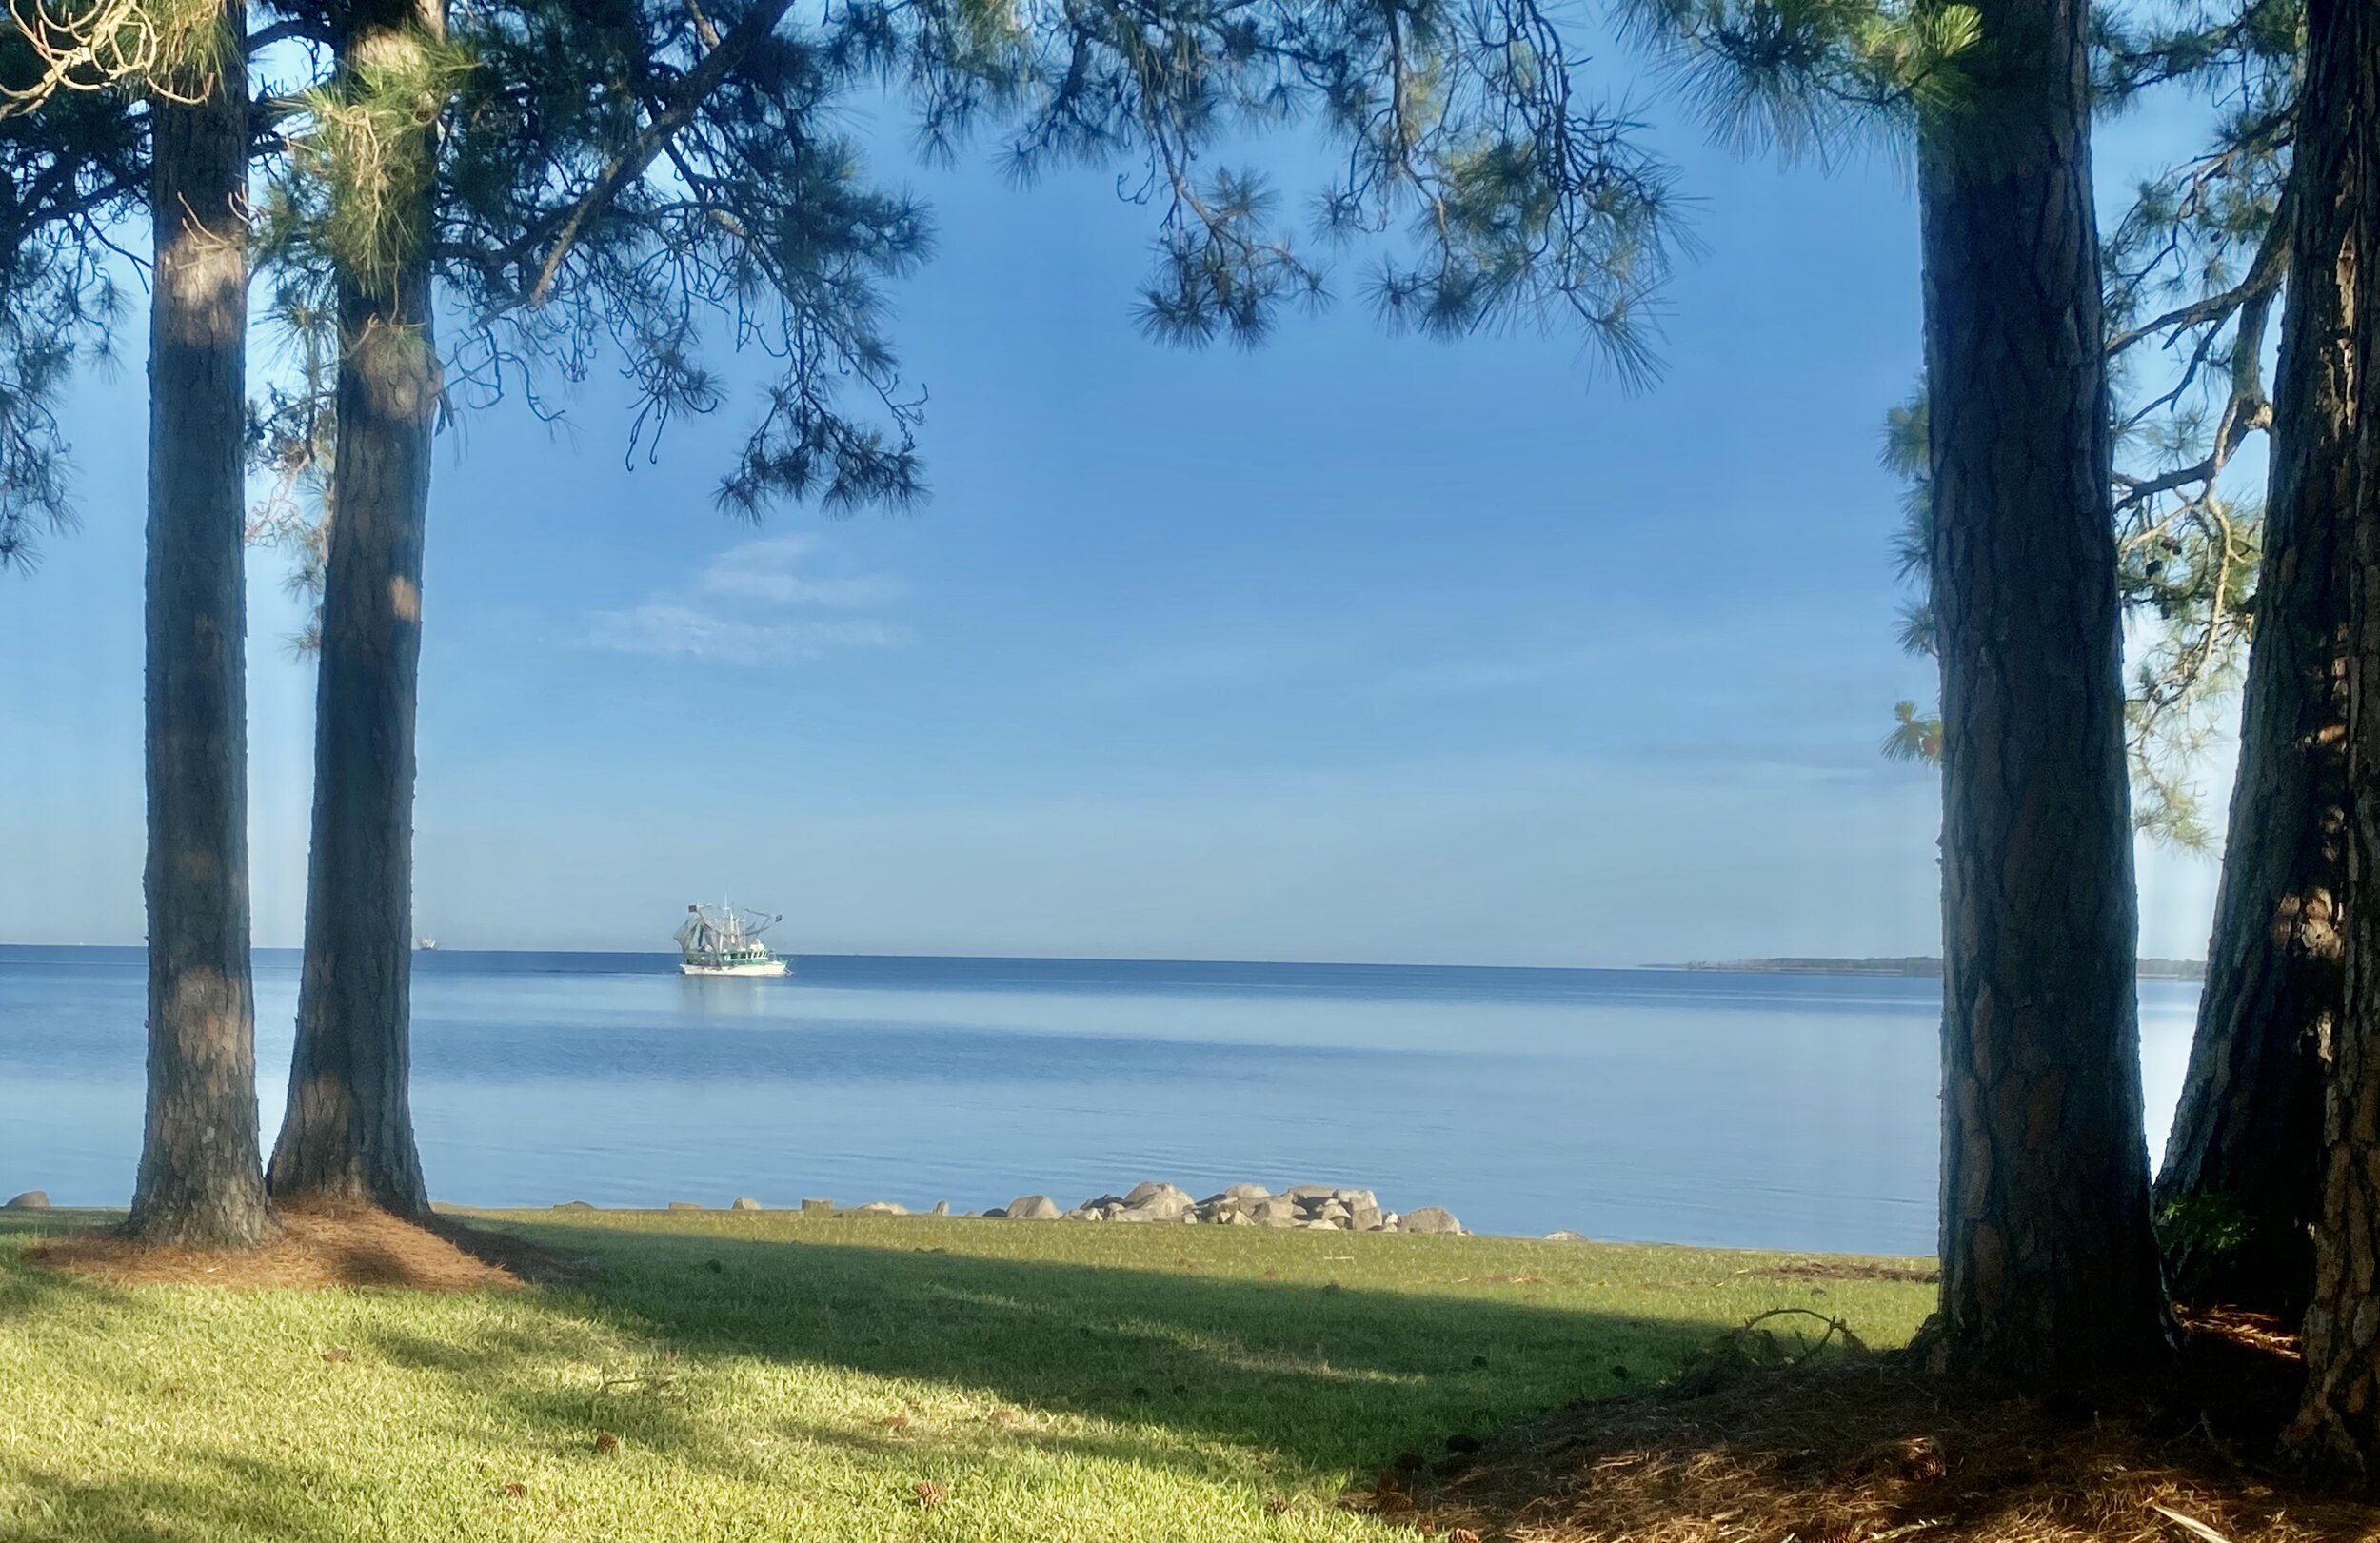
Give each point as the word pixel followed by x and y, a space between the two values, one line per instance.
pixel 1356 647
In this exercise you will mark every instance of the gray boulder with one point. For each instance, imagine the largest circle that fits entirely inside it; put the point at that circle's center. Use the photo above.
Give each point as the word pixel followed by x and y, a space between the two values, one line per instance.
pixel 1034 1208
pixel 818 1205
pixel 1248 1192
pixel 942 1208
pixel 1432 1218
pixel 1310 1192
pixel 1163 1202
pixel 30 1201
pixel 882 1208
pixel 1363 1213
pixel 1279 1211
pixel 1565 1235
pixel 745 1202
pixel 685 1206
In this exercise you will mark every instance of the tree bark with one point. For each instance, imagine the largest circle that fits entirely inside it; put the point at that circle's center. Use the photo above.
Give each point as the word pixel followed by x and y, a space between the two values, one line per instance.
pixel 2340 1421
pixel 2246 1148
pixel 2049 1270
pixel 200 1181
pixel 348 1129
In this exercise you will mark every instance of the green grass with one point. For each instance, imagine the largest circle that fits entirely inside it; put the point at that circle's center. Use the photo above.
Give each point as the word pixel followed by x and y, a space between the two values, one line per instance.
pixel 787 1378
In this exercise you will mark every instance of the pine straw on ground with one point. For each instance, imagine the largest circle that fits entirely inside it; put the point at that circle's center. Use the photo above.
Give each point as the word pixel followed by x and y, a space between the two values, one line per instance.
pixel 1860 1450
pixel 323 1244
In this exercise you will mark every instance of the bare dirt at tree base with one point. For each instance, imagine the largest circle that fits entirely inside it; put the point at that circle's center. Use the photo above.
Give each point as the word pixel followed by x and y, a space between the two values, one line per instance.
pixel 1864 1451
pixel 323 1245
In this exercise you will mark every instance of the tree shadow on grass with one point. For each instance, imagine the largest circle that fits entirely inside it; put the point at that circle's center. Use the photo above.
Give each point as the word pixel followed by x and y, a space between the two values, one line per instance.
pixel 1215 1378
pixel 1327 1378
pixel 223 1496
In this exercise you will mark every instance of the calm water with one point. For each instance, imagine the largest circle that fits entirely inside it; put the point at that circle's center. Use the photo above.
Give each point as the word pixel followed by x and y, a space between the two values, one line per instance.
pixel 1788 1112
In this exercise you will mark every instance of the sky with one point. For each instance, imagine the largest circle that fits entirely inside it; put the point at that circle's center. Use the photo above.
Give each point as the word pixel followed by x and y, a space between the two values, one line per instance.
pixel 1356 647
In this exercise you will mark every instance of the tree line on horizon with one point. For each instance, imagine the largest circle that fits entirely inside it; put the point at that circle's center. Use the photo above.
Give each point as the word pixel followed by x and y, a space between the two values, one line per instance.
pixel 631 181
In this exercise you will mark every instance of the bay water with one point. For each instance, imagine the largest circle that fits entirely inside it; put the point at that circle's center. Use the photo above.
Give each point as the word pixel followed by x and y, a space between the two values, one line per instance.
pixel 1773 1111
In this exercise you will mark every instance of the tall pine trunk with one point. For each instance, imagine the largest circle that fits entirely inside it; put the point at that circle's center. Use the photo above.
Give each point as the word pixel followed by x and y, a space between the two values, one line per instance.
pixel 348 1129
pixel 2245 1156
pixel 2048 1267
pixel 2339 123
pixel 200 1180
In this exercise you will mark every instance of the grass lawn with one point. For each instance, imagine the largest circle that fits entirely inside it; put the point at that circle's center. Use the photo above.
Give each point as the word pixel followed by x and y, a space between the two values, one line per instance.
pixel 787 1377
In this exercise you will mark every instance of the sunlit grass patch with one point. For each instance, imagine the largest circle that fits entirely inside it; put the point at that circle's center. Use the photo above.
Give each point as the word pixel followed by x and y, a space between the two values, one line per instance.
pixel 776 1375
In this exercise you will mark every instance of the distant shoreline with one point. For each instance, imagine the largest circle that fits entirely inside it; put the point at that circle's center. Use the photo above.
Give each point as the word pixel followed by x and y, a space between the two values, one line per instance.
pixel 1908 967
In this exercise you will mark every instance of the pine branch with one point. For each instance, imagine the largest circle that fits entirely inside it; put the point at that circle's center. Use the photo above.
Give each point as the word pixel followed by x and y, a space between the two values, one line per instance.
pixel 687 101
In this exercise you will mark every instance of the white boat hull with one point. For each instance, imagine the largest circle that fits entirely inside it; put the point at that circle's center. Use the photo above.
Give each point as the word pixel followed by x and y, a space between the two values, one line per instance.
pixel 775 966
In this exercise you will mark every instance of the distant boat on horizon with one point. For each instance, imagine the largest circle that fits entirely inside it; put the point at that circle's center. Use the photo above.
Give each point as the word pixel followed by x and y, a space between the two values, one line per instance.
pixel 721 939
pixel 425 945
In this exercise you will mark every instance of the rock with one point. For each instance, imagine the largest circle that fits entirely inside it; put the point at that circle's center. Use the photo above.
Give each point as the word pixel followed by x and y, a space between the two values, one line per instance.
pixel 1391 1222
pixel 1432 1218
pixel 1565 1235
pixel 997 1212
pixel 1330 1211
pixel 1163 1202
pixel 567 1205
pixel 818 1205
pixel 1311 1192
pixel 1280 1211
pixel 745 1202
pixel 30 1201
pixel 685 1206
pixel 942 1208
pixel 1248 1192
pixel 1033 1208
pixel 881 1207
pixel 1363 1215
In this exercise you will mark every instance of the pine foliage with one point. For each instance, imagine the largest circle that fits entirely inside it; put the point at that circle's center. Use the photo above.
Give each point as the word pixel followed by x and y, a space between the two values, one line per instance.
pixel 71 164
pixel 2193 272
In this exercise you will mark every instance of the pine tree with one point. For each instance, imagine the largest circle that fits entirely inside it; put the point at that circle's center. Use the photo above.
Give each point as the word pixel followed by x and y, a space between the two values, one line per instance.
pixel 2193 272
pixel 201 1179
pixel 2339 143
pixel 2049 1266
pixel 2241 1187
pixel 347 1131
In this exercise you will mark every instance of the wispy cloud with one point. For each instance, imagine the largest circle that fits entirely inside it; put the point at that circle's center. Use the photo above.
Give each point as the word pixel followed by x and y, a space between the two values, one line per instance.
pixel 753 604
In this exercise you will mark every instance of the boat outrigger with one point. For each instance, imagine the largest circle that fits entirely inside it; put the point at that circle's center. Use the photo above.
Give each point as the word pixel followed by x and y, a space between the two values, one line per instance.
pixel 721 939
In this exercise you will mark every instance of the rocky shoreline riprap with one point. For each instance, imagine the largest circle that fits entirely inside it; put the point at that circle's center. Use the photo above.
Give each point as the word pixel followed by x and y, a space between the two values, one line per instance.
pixel 1322 1207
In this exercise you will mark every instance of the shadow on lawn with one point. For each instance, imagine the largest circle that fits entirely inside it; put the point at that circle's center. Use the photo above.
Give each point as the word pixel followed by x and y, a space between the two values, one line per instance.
pixel 1326 1378
pixel 1287 1382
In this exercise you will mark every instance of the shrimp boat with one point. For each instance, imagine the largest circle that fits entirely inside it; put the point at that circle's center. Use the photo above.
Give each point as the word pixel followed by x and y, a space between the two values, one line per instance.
pixel 721 939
